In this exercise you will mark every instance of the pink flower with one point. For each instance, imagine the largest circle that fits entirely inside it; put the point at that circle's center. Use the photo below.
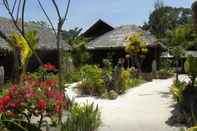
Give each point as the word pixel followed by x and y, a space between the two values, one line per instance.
pixel 30 93
pixel 13 106
pixel 13 88
pixel 58 107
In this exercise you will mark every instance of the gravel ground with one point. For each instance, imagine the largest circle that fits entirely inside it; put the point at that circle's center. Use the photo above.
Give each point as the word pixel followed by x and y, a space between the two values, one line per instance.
pixel 144 108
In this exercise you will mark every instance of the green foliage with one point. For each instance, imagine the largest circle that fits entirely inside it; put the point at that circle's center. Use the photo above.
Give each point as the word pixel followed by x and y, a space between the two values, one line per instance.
pixel 164 74
pixel 125 78
pixel 23 44
pixel 180 39
pixel 82 118
pixel 135 82
pixel 107 72
pixel 92 82
pixel 136 46
pixel 190 66
pixel 16 125
pixel 164 18
pixel 101 82
pixel 77 42
pixel 72 76
pixel 177 90
pixel 166 64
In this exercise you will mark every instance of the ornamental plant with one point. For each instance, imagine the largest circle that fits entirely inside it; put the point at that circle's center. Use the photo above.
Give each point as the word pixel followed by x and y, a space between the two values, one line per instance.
pixel 92 82
pixel 137 48
pixel 36 98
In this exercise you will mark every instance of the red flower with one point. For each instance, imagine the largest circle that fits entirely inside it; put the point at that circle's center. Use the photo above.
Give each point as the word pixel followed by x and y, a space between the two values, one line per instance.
pixel 50 94
pixel 49 67
pixel 41 104
pixel 51 83
pixel 6 99
pixel 60 96
pixel 1 102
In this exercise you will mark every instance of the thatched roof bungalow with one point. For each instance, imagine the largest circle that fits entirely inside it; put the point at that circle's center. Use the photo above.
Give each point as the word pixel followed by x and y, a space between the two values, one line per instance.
pixel 46 48
pixel 114 42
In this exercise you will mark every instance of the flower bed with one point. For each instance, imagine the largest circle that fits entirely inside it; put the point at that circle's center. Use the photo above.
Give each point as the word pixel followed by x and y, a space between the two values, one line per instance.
pixel 35 98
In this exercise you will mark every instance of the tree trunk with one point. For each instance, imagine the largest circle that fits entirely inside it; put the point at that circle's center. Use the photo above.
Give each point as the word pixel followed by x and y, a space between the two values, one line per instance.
pixel 193 80
pixel 60 56
pixel 177 69
pixel 15 71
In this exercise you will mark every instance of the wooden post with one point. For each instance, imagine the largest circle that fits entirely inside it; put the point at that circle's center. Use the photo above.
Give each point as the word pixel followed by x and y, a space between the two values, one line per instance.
pixel 194 14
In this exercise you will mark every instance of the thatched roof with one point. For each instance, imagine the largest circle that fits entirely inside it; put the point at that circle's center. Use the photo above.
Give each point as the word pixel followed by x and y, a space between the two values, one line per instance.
pixel 97 29
pixel 47 40
pixel 117 38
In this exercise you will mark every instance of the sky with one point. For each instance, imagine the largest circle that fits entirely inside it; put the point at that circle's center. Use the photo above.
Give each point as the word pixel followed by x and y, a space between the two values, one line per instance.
pixel 84 13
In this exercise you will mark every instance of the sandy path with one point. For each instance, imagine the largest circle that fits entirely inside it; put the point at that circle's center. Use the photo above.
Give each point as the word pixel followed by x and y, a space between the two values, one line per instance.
pixel 144 108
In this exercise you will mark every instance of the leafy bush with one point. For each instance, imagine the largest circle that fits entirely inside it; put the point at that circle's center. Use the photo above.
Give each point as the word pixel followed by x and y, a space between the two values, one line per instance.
pixel 190 68
pixel 72 76
pixel 166 64
pixel 177 90
pixel 135 82
pixel 92 82
pixel 82 118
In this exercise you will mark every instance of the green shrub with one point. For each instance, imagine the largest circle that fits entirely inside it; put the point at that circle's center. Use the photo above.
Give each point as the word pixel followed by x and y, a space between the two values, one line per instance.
pixel 107 72
pixel 125 78
pixel 190 68
pixel 92 82
pixel 136 82
pixel 73 76
pixel 83 118
pixel 177 90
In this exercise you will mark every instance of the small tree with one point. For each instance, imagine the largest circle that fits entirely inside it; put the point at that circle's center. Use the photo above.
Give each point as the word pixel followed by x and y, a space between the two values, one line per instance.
pixel 136 48
pixel 79 53
pixel 190 68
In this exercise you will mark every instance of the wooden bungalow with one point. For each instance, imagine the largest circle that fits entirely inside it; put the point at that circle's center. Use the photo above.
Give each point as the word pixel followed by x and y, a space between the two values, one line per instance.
pixel 114 43
pixel 46 48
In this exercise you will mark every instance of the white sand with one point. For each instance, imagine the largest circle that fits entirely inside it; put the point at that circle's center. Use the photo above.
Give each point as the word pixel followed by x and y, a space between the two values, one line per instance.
pixel 144 108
